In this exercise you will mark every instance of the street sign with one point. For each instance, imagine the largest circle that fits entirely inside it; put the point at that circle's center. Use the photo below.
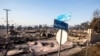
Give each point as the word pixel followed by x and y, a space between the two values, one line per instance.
pixel 64 36
pixel 60 24
pixel 64 17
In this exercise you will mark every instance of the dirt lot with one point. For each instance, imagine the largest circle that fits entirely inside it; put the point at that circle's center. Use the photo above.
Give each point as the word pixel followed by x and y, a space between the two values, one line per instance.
pixel 92 51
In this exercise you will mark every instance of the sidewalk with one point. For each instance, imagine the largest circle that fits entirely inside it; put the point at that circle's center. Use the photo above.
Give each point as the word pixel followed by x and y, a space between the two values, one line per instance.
pixel 68 52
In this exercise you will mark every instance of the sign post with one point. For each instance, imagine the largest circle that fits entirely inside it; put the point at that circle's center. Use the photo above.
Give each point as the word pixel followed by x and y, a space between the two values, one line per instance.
pixel 59 23
pixel 61 36
pixel 60 44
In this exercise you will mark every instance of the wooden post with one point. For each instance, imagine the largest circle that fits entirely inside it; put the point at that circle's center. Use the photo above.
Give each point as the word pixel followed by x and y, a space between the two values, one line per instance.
pixel 88 41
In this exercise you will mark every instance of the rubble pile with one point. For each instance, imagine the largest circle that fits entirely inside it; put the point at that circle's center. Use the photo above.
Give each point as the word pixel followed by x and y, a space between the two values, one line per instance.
pixel 2 42
pixel 36 48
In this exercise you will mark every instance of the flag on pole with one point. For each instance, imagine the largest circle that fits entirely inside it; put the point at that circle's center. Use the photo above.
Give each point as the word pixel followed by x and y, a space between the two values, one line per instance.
pixel 64 17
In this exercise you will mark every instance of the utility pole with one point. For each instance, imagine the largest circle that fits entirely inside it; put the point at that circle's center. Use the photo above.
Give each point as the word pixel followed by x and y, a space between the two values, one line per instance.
pixel 7 18
pixel 7 46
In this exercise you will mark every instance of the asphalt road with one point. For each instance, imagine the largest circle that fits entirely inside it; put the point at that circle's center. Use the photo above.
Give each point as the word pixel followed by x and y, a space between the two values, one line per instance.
pixel 67 52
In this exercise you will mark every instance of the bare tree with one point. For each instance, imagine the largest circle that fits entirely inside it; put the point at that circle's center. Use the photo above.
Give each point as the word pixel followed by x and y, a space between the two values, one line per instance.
pixel 96 13
pixel 19 27
pixel 95 24
pixel 85 25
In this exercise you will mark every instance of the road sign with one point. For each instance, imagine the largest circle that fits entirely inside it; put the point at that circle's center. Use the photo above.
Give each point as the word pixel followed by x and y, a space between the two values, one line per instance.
pixel 60 24
pixel 64 17
pixel 63 37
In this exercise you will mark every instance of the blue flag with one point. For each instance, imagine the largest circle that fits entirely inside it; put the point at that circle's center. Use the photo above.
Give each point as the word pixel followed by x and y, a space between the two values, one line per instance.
pixel 64 17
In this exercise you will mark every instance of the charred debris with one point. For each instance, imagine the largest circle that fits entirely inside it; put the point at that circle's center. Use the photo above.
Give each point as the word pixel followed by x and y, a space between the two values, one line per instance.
pixel 14 37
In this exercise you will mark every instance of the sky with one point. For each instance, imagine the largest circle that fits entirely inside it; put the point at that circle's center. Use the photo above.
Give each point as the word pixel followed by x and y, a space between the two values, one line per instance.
pixel 36 12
